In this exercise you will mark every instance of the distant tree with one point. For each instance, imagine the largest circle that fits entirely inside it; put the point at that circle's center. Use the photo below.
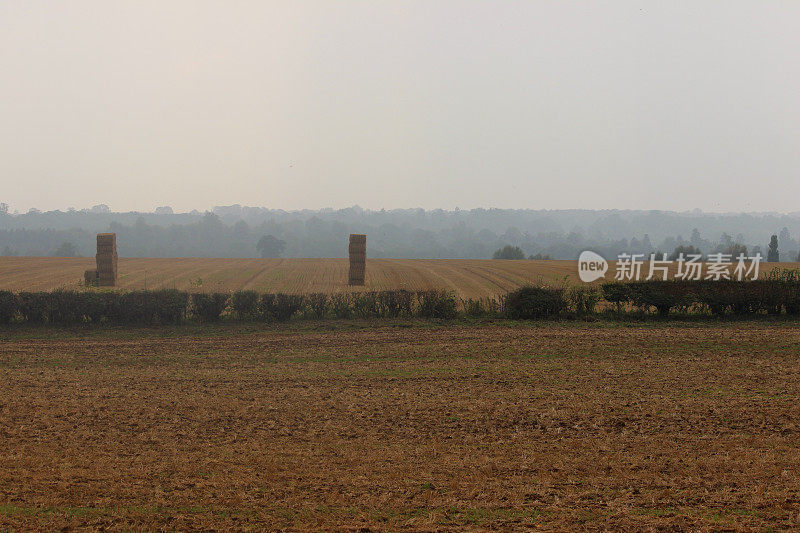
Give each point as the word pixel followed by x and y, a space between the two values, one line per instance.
pixel 696 239
pixel 270 246
pixel 509 252
pixel 725 242
pixel 241 229
pixel 164 210
pixel 100 208
pixel 512 234
pixel 686 250
pixel 3 209
pixel 66 249
pixel 786 244
pixel 735 250
pixel 773 256
pixel 646 244
pixel 540 257
pixel 8 252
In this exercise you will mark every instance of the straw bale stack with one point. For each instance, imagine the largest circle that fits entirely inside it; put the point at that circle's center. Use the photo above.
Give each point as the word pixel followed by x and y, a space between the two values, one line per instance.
pixel 358 259
pixel 106 259
pixel 90 277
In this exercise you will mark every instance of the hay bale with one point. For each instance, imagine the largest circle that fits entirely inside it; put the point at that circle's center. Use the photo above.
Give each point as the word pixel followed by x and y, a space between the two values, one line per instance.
pixel 106 269
pixel 106 262
pixel 106 249
pixel 107 239
pixel 90 277
pixel 105 280
pixel 357 250
pixel 106 259
pixel 358 243
pixel 356 274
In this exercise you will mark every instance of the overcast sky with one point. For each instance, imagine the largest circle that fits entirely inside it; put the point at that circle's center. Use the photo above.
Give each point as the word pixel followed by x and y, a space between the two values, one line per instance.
pixel 300 104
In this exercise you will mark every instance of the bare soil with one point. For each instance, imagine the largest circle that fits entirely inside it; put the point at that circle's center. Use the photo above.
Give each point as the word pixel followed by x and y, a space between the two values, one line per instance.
pixel 402 426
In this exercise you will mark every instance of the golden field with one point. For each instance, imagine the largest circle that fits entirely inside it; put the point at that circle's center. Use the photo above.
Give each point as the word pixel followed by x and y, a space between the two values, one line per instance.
pixel 468 278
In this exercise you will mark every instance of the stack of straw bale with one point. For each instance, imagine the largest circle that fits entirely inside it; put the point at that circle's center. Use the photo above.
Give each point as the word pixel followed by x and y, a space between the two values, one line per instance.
pixel 358 259
pixel 90 277
pixel 106 259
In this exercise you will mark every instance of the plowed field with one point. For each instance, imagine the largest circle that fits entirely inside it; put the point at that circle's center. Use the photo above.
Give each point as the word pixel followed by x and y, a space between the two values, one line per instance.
pixel 563 427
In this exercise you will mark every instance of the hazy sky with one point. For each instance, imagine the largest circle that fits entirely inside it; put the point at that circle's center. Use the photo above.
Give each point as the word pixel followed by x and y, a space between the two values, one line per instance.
pixel 540 104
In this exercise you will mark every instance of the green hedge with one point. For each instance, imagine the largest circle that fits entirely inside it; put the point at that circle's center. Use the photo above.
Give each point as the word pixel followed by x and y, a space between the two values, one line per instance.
pixel 244 305
pixel 718 298
pixel 778 294
pixel 173 306
pixel 535 302
pixel 209 307
pixel 9 306
pixel 151 307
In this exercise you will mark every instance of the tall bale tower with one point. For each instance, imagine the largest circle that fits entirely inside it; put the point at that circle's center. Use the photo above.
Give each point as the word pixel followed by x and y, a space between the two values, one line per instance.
pixel 358 258
pixel 106 259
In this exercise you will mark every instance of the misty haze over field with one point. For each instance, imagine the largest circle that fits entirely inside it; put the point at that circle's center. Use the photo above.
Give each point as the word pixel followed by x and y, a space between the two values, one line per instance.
pixel 548 104
pixel 235 231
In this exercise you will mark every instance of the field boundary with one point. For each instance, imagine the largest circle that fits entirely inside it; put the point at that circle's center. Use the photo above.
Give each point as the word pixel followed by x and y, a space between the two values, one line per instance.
pixel 775 297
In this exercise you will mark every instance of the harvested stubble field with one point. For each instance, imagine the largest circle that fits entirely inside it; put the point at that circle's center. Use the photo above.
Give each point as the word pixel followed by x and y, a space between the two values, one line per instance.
pixel 393 425
pixel 468 278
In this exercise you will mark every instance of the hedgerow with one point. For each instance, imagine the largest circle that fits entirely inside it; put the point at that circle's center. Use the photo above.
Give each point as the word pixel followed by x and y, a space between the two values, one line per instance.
pixel 436 304
pixel 9 306
pixel 535 302
pixel 778 293
pixel 168 306
pixel 717 298
pixel 209 307
pixel 245 305
pixel 279 307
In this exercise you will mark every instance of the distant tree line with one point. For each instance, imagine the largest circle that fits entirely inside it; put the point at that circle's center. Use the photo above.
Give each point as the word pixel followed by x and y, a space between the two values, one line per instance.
pixel 236 231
